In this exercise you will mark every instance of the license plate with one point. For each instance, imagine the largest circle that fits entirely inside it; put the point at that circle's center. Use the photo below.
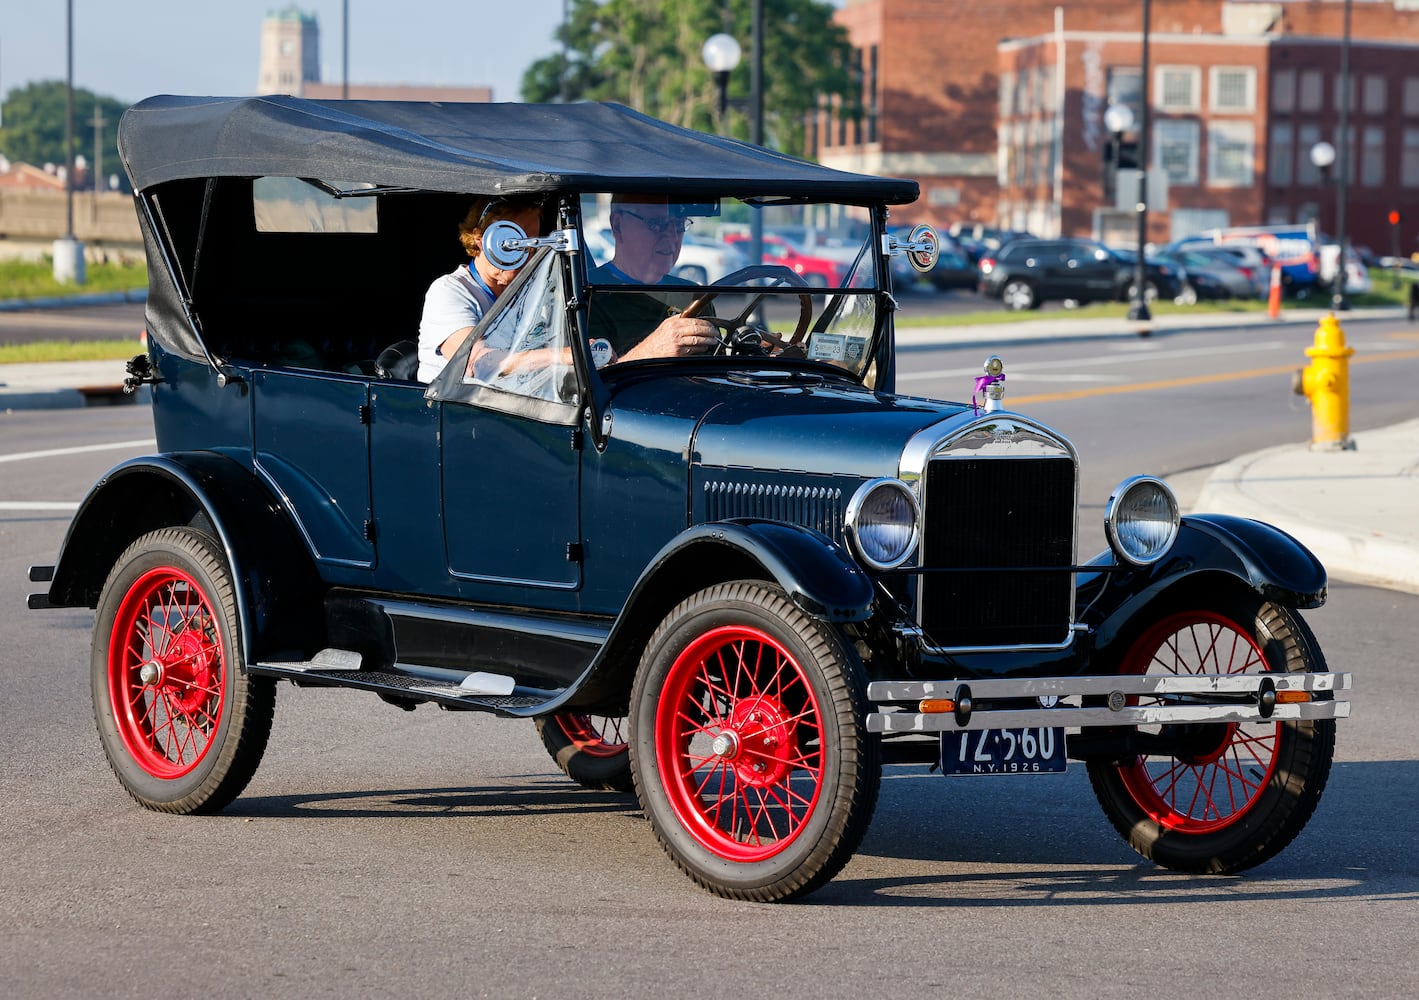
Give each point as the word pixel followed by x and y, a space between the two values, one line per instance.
pixel 1003 751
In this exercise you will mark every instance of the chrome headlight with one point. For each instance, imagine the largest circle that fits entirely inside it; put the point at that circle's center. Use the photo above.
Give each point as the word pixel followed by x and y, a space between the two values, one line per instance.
pixel 1141 520
pixel 883 523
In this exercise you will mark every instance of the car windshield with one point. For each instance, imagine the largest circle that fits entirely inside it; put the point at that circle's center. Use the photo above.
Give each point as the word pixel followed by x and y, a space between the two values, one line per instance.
pixel 810 293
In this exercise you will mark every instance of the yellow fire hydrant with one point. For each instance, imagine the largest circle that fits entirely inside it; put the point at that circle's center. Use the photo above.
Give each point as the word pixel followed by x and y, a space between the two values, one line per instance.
pixel 1326 383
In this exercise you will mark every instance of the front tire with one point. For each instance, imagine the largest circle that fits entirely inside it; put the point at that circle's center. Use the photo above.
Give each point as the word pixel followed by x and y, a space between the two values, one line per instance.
pixel 1236 794
pixel 183 726
pixel 749 746
pixel 590 749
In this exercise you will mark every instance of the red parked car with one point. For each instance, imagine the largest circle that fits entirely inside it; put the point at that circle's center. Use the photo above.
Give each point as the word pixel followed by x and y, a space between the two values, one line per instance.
pixel 818 271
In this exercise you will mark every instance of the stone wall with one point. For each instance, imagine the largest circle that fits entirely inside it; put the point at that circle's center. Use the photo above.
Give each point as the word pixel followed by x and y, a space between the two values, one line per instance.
pixel 38 217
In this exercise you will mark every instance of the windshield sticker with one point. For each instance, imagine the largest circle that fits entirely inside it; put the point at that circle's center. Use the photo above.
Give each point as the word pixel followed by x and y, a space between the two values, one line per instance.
pixel 837 347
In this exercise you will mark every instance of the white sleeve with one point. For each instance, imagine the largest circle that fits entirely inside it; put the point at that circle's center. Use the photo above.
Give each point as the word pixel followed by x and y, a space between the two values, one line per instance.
pixel 449 306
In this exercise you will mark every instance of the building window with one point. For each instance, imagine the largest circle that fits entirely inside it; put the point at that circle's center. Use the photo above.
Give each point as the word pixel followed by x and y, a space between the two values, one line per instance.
pixel 1233 88
pixel 1177 88
pixel 1283 90
pixel 1007 95
pixel 1339 89
pixel 1411 95
pixel 1306 173
pixel 873 107
pixel 1230 151
pixel 1312 90
pixel 1175 150
pixel 1374 95
pixel 1126 88
pixel 1409 161
pixel 1282 159
pixel 1372 160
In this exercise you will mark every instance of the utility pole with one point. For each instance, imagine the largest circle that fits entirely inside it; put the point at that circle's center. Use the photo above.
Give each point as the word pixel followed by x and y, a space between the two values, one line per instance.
pixel 99 122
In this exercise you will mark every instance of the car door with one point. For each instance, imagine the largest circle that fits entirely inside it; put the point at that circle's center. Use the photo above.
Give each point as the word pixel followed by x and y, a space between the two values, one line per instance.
pixel 1092 271
pixel 510 443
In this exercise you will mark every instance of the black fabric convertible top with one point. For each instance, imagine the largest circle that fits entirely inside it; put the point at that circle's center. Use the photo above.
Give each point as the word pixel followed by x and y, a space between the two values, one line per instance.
pixel 466 148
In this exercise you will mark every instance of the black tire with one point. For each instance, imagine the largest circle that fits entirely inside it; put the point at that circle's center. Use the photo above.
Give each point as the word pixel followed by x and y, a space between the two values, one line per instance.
pixel 168 610
pixel 1241 793
pixel 590 749
pixel 1019 296
pixel 748 743
pixel 1150 292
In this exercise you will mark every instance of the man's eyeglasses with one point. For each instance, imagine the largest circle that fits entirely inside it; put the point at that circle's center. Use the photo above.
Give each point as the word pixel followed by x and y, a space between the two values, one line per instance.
pixel 660 226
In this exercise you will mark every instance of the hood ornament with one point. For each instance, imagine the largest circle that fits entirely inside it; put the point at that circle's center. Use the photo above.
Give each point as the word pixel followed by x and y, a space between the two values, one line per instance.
pixel 991 385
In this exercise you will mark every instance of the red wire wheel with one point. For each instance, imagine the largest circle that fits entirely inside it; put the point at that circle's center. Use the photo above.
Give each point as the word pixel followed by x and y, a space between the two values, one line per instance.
pixel 166 672
pixel 1224 768
pixel 738 738
pixel 749 745
pixel 1217 798
pixel 183 726
pixel 590 749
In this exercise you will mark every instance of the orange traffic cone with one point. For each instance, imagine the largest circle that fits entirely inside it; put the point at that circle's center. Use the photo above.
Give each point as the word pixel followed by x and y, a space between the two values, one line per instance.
pixel 1273 302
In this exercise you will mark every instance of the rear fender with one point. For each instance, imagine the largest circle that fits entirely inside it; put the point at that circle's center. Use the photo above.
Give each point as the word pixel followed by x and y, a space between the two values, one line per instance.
pixel 277 588
pixel 1211 550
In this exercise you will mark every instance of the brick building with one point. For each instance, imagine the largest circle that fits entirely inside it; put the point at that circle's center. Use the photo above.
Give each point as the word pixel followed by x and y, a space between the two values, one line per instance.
pixel 998 111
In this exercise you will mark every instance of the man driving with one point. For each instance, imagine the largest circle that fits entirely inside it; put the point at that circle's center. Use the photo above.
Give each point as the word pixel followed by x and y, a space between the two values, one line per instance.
pixel 648 234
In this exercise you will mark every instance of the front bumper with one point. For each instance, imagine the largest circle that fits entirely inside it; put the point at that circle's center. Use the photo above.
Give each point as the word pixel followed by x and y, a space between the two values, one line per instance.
pixel 1109 701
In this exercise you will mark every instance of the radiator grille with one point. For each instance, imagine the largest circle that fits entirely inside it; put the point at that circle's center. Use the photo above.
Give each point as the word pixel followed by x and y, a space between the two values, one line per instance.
pixel 818 507
pixel 997 513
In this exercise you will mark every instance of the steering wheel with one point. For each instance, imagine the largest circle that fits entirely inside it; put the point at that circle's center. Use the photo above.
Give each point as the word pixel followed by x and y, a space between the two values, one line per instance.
pixel 736 334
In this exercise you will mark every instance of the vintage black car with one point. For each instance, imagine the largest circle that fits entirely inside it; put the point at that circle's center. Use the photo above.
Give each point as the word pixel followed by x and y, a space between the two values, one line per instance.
pixel 736 584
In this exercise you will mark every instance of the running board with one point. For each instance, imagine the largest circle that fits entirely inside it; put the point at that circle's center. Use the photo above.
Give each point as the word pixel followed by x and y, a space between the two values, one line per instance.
pixel 476 690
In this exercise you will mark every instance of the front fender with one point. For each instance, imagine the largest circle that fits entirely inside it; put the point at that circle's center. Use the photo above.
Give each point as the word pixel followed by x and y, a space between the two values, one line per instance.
pixel 1210 550
pixel 817 575
pixel 277 587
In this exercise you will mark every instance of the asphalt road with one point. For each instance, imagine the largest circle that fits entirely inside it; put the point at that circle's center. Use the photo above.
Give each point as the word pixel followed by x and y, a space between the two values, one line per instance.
pixel 382 853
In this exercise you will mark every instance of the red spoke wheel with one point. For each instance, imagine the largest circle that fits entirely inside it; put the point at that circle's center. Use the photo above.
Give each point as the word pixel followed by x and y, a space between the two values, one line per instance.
pixel 1226 796
pixel 750 754
pixel 590 749
pixel 183 727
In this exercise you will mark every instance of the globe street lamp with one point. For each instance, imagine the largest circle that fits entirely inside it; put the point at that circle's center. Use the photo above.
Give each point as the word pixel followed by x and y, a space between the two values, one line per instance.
pixel 1118 119
pixel 1323 156
pixel 721 54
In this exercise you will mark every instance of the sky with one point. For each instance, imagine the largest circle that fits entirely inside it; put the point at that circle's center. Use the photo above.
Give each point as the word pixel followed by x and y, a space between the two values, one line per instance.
pixel 131 49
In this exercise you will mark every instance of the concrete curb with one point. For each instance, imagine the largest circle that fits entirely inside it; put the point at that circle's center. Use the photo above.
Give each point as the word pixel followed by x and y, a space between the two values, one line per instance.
pixel 66 301
pixel 1335 530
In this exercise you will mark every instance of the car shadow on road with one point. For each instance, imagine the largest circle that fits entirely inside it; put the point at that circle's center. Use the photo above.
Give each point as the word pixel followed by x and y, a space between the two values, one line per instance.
pixel 1027 849
pixel 547 797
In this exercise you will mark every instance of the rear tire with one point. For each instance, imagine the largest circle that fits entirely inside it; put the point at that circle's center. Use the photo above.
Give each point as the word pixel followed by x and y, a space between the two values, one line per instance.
pixel 590 749
pixel 1241 792
pixel 183 725
pixel 749 745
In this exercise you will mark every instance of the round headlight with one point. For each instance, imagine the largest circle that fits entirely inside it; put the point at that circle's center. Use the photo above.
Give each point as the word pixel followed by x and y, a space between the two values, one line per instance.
pixel 883 523
pixel 1141 520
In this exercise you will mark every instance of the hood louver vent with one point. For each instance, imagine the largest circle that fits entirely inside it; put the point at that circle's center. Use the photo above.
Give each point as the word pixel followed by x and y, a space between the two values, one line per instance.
pixel 817 507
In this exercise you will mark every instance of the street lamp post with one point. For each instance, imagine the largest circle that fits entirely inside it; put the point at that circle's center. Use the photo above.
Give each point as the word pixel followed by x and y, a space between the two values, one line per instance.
pixel 1323 156
pixel 1138 307
pixel 68 251
pixel 1338 301
pixel 1118 119
pixel 721 54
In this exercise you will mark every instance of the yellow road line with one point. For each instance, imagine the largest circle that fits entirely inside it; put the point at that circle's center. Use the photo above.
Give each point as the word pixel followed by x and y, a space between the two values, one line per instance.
pixel 1177 383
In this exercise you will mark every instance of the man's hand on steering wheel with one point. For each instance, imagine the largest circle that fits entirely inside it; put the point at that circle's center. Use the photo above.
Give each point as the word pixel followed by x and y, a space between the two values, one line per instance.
pixel 736 332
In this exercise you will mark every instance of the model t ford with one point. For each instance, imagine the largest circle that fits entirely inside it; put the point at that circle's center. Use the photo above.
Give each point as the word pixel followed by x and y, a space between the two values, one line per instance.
pixel 737 576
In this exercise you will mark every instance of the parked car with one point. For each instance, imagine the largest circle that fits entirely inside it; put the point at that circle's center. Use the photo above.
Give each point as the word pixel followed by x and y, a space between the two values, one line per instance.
pixel 817 270
pixel 1209 277
pixel 736 584
pixel 953 269
pixel 1028 272
pixel 978 240
pixel 1251 262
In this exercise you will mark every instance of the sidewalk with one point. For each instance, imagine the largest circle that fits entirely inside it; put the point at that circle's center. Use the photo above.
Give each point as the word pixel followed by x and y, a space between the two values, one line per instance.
pixel 1357 510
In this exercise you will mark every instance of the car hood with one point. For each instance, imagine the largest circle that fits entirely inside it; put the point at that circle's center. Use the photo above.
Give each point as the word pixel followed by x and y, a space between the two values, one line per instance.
pixel 771 420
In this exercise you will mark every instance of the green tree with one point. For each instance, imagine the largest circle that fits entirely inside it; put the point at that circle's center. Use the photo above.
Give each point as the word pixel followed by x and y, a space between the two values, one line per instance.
pixel 646 54
pixel 32 127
